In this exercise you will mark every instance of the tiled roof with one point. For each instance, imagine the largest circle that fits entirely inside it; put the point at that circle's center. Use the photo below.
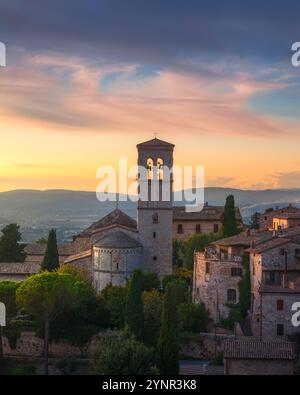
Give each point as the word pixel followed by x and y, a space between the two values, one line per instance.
pixel 117 240
pixel 116 217
pixel 155 143
pixel 256 349
pixel 288 209
pixel 19 268
pixel 81 255
pixel 288 215
pixel 276 289
pixel 40 248
pixel 245 239
pixel 268 245
pixel 209 213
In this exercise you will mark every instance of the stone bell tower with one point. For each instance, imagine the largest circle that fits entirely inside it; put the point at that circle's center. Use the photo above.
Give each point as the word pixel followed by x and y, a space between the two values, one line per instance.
pixel 155 205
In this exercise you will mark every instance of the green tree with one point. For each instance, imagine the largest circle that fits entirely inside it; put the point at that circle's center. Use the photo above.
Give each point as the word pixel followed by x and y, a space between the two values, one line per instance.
pixel 150 281
pixel 134 306
pixel 51 258
pixel 192 317
pixel 45 295
pixel 114 299
pixel 181 288
pixel 168 343
pixel 229 218
pixel 245 287
pixel 10 248
pixel 152 316
pixel 177 252
pixel 122 354
pixel 8 297
pixel 81 315
pixel 197 242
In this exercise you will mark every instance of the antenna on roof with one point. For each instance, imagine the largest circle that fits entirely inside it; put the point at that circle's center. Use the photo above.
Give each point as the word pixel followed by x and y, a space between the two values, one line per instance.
pixel 155 135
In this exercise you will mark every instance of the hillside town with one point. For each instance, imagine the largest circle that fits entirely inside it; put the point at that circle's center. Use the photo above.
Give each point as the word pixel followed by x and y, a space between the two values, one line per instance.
pixel 233 288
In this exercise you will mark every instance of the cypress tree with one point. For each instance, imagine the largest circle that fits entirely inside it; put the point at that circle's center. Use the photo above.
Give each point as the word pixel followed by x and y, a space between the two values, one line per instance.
pixel 135 306
pixel 10 248
pixel 168 343
pixel 229 218
pixel 51 258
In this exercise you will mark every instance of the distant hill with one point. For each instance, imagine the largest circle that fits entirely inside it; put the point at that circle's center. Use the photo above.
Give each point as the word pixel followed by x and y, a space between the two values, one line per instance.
pixel 71 211
pixel 33 204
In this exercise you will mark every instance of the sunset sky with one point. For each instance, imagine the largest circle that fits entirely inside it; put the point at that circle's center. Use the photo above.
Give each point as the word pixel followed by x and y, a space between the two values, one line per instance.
pixel 86 80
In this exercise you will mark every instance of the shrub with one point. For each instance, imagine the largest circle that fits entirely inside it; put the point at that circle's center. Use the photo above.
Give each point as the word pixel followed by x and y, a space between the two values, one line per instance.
pixel 26 369
pixel 192 317
pixel 122 354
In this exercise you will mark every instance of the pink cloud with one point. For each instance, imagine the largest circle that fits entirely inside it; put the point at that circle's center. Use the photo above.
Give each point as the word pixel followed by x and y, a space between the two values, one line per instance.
pixel 64 91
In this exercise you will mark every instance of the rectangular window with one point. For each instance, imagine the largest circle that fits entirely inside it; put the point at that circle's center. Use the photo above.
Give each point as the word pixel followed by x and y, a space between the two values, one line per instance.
pixel 279 304
pixel 207 268
pixel 231 296
pixel 179 229
pixel 236 272
pixel 216 228
pixel 154 235
pixel 280 330
pixel 297 252
pixel 273 278
pixel 281 251
pixel 198 228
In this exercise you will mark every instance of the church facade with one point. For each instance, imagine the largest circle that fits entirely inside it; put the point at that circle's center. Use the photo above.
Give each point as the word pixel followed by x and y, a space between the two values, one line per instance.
pixel 112 248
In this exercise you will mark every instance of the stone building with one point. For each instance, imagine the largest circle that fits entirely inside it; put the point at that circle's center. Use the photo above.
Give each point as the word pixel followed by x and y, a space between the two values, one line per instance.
pixel 254 357
pixel 265 220
pixel 219 269
pixel 217 273
pixel 276 310
pixel 13 271
pixel 275 273
pixel 286 220
pixel 208 220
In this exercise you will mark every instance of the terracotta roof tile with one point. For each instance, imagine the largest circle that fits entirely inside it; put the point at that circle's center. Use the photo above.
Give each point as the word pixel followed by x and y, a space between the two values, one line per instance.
pixel 209 213
pixel 116 217
pixel 256 349
pixel 19 268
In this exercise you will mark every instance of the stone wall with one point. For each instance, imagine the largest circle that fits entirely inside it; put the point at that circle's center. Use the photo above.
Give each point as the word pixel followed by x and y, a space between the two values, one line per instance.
pixel 32 346
pixel 189 228
pixel 211 288
pixel 206 346
pixel 272 317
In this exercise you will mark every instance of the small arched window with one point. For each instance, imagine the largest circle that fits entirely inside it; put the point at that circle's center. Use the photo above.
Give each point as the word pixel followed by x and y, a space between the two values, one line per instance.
pixel 150 169
pixel 155 218
pixel 231 296
pixel 160 168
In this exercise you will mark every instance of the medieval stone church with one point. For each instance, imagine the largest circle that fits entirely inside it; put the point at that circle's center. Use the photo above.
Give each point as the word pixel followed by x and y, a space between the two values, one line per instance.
pixel 116 245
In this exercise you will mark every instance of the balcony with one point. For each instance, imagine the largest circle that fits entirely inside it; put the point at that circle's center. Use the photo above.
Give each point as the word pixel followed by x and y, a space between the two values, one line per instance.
pixel 223 256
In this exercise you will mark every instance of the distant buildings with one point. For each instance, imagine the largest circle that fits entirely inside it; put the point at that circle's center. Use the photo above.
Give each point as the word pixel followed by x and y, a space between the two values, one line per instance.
pixel 208 220
pixel 265 221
